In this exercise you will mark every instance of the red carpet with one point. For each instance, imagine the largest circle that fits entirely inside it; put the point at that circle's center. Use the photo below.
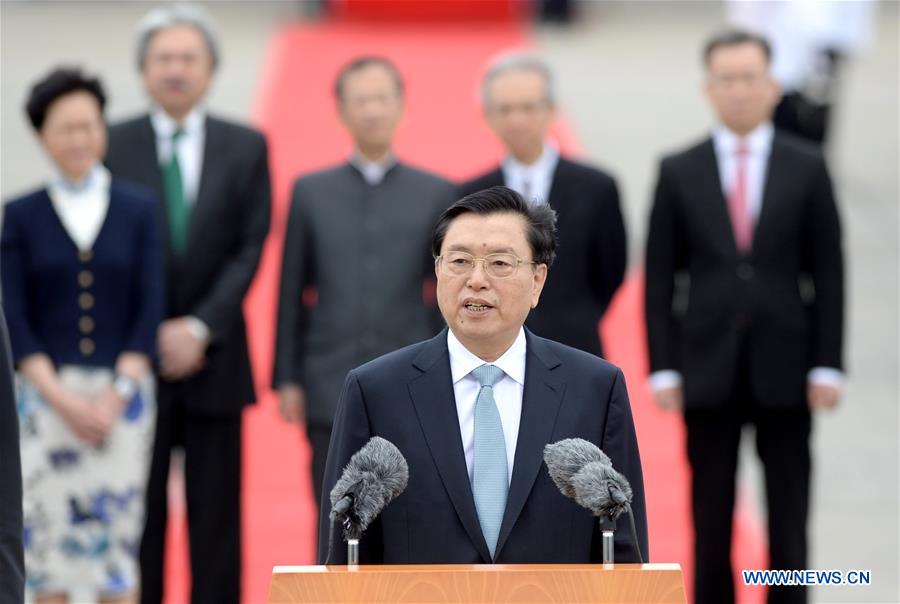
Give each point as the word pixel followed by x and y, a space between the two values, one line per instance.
pixel 443 131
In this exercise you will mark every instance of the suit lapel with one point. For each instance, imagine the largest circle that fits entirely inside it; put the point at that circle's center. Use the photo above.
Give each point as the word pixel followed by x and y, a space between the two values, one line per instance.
pixel 147 157
pixel 776 177
pixel 147 161
pixel 213 156
pixel 541 399
pixel 435 405
pixel 558 191
pixel 713 198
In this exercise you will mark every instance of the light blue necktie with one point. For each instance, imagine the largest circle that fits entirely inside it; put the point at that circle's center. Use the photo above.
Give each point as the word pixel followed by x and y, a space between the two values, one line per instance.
pixel 490 481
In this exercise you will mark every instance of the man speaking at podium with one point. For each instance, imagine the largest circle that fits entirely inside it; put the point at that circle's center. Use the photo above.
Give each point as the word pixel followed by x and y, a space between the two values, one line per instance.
pixel 472 409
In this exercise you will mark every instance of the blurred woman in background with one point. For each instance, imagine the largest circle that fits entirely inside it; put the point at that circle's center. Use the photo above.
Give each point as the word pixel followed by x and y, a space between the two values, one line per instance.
pixel 82 276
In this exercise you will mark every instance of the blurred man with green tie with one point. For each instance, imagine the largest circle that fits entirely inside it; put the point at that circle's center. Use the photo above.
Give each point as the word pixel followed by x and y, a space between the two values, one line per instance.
pixel 213 176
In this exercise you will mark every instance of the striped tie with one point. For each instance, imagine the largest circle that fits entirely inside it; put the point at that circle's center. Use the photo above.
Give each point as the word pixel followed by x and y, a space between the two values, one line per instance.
pixel 490 481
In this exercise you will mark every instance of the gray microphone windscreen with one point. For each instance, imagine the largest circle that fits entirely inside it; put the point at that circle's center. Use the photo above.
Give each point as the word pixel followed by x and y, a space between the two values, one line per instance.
pixel 601 489
pixel 375 475
pixel 566 457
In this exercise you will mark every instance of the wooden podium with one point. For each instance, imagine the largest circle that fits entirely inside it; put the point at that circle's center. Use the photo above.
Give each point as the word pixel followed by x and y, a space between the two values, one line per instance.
pixel 569 583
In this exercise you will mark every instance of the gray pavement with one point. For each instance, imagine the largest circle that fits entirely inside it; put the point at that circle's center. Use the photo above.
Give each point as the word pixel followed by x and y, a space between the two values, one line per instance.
pixel 629 78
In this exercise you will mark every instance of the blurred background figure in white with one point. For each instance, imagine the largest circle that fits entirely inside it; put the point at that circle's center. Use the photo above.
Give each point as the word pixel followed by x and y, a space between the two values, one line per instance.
pixel 810 41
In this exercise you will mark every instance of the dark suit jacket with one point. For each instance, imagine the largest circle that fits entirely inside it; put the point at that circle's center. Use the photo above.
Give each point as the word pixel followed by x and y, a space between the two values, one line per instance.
pixel 39 268
pixel 228 224
pixel 783 301
pixel 367 251
pixel 407 397
pixel 12 563
pixel 591 256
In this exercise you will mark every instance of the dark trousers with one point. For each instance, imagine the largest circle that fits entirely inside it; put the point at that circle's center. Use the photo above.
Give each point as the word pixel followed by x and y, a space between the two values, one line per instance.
pixel 319 436
pixel 782 442
pixel 212 476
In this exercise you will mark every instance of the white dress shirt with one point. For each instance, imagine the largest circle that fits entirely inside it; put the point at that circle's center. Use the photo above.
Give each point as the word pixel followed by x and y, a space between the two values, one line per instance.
pixel 82 206
pixel 373 171
pixel 759 146
pixel 507 394
pixel 190 162
pixel 190 146
pixel 532 182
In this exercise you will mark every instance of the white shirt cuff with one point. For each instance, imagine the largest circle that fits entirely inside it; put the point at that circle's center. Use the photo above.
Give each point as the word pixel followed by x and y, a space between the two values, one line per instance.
pixel 199 329
pixel 667 378
pixel 826 376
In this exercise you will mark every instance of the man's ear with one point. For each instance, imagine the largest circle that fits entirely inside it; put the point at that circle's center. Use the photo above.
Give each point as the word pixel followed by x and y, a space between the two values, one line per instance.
pixel 537 285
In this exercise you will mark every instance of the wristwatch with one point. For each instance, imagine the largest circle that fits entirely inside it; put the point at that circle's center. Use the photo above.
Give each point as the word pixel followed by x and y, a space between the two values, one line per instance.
pixel 125 387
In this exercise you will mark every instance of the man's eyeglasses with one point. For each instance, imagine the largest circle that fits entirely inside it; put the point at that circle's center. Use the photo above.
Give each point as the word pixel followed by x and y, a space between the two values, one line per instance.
pixel 499 266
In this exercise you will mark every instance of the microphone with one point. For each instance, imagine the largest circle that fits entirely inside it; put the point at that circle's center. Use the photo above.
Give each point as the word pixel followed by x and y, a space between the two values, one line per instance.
pixel 602 490
pixel 565 458
pixel 375 475
pixel 583 472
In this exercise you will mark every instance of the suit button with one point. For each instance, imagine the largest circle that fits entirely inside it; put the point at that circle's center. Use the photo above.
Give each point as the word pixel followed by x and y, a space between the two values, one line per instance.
pixel 85 301
pixel 86 324
pixel 744 271
pixel 85 278
pixel 85 255
pixel 86 346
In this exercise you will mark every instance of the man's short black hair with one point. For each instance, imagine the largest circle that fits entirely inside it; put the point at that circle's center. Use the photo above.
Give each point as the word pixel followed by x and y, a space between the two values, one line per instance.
pixel 540 217
pixel 361 63
pixel 60 82
pixel 734 37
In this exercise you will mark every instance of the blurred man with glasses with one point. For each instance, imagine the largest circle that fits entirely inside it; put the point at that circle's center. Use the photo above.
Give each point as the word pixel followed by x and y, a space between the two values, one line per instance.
pixel 472 409
pixel 357 246
pixel 520 106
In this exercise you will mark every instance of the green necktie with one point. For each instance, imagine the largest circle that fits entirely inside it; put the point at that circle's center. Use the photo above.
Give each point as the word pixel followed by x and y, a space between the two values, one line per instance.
pixel 176 205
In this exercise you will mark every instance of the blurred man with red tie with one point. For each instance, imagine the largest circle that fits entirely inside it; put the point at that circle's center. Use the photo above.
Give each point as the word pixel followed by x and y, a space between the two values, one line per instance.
pixel 744 303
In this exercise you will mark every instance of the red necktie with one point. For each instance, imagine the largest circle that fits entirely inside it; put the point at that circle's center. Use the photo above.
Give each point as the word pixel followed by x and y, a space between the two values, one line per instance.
pixel 737 203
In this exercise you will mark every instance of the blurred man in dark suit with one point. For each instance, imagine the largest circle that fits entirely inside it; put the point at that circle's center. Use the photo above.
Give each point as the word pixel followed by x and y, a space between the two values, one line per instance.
pixel 358 233
pixel 214 177
pixel 12 562
pixel 519 105
pixel 745 305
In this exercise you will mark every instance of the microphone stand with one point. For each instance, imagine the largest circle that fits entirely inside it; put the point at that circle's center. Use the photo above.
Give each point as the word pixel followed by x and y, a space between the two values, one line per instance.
pixel 353 554
pixel 352 548
pixel 607 531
